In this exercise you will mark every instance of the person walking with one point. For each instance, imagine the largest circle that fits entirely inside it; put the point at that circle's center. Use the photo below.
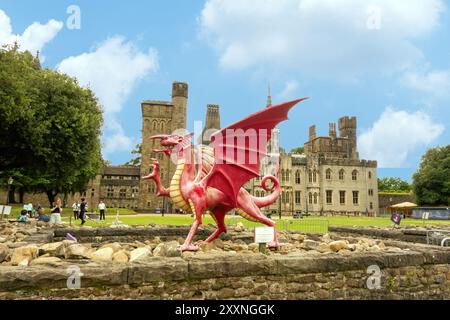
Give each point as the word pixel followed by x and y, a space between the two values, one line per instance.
pixel 76 210
pixel 83 209
pixel 101 208
pixel 56 211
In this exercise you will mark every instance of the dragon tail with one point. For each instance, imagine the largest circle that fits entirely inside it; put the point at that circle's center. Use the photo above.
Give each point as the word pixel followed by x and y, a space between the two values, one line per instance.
pixel 271 198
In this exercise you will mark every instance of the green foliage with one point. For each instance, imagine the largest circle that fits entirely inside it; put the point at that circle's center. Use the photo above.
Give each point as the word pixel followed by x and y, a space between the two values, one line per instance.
pixel 298 150
pixel 432 181
pixel 136 161
pixel 392 184
pixel 50 133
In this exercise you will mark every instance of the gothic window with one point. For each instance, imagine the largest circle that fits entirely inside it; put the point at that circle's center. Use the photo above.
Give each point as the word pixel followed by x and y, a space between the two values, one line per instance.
pixel 315 176
pixel 288 173
pixel 371 206
pixel 310 175
pixel 328 174
pixel 162 126
pixel 355 197
pixel 283 175
pixel 342 197
pixel 341 174
pixel 154 125
pixel 257 193
pixel 263 193
pixel 297 176
pixel 283 197
pixel 297 197
pixel 110 192
pixel 354 175
pixel 329 196
pixel 315 197
pixel 370 192
pixel 151 187
pixel 310 198
pixel 287 197
pixel 370 175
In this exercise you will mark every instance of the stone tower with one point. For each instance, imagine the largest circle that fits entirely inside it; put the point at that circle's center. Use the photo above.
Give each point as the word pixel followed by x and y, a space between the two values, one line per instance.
pixel 160 117
pixel 212 121
pixel 347 129
pixel 179 101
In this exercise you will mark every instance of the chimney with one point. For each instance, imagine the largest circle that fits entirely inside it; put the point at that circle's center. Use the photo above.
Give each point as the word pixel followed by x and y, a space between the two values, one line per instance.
pixel 332 130
pixel 312 132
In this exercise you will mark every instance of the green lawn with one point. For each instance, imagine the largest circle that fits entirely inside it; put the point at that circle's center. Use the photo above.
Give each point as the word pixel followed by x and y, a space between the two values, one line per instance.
pixel 16 208
pixel 308 224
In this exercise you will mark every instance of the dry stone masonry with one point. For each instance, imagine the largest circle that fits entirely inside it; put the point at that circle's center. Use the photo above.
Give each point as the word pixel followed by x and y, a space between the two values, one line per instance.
pixel 146 263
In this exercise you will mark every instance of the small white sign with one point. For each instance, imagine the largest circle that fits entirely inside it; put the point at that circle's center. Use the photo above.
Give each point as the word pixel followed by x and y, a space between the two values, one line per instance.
pixel 264 234
pixel 7 210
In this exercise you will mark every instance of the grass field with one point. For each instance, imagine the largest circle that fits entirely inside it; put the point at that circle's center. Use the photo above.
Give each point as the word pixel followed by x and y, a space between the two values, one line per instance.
pixel 308 224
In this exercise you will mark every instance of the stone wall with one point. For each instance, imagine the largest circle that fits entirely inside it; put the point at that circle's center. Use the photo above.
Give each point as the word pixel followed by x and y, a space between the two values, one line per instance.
pixel 421 273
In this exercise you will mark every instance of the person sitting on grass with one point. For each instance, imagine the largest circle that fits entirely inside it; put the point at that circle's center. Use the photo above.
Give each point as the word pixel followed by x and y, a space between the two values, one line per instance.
pixel 23 216
pixel 41 216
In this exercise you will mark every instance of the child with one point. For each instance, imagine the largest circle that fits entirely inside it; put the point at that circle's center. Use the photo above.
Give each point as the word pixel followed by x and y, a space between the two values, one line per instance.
pixel 23 216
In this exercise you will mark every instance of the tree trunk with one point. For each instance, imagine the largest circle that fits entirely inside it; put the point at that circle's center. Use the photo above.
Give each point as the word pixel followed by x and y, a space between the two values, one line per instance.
pixel 21 194
pixel 51 197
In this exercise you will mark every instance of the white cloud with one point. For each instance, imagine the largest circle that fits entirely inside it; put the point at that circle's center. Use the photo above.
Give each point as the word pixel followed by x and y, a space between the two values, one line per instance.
pixel 111 70
pixel 395 135
pixel 35 36
pixel 436 82
pixel 319 37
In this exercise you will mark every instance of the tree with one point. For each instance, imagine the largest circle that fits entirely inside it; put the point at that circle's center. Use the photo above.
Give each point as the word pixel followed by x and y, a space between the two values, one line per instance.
pixel 136 161
pixel 298 150
pixel 392 184
pixel 50 133
pixel 431 183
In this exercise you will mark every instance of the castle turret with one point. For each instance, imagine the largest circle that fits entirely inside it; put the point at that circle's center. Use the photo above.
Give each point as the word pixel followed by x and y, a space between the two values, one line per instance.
pixel 347 129
pixel 179 100
pixel 332 130
pixel 312 132
pixel 212 122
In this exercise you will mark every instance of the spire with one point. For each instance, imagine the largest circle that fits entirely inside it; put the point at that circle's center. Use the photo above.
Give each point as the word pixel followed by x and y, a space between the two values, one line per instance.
pixel 37 61
pixel 269 98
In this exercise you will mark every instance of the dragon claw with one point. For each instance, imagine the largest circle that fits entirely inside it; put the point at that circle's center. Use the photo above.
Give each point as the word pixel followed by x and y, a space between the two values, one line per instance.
pixel 189 247
pixel 274 245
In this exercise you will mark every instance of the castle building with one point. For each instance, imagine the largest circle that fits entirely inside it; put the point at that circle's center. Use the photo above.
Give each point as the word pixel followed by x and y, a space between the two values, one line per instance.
pixel 327 177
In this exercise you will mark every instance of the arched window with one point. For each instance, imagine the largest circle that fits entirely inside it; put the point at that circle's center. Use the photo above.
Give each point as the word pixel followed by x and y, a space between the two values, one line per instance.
pixel 288 175
pixel 315 197
pixel 328 174
pixel 310 198
pixel 283 197
pixel 283 175
pixel 154 125
pixel 370 174
pixel 310 175
pixel 315 176
pixel 354 175
pixel 257 193
pixel 161 126
pixel 297 176
pixel 341 174
pixel 263 193
pixel 287 197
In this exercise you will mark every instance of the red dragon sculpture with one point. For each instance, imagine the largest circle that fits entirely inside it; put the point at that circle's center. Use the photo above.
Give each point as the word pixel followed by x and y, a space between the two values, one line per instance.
pixel 211 178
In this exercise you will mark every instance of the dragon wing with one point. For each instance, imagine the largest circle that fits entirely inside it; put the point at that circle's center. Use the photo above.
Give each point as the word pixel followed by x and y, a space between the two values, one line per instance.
pixel 239 148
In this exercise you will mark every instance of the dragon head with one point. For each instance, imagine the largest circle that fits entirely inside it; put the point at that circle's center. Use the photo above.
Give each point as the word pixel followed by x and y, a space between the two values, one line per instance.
pixel 173 142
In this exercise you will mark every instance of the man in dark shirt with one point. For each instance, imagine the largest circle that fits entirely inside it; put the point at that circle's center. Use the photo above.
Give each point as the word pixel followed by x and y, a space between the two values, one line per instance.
pixel 83 209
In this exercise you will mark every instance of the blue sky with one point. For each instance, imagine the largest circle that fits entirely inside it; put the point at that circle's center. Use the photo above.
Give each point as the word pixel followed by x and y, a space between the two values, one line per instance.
pixel 385 62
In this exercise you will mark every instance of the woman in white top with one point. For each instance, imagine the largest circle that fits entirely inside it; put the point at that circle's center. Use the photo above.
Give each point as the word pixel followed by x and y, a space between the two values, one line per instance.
pixel 76 210
pixel 101 208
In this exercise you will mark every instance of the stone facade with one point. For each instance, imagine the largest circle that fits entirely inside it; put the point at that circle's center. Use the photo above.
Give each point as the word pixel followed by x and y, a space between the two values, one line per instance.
pixel 328 178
